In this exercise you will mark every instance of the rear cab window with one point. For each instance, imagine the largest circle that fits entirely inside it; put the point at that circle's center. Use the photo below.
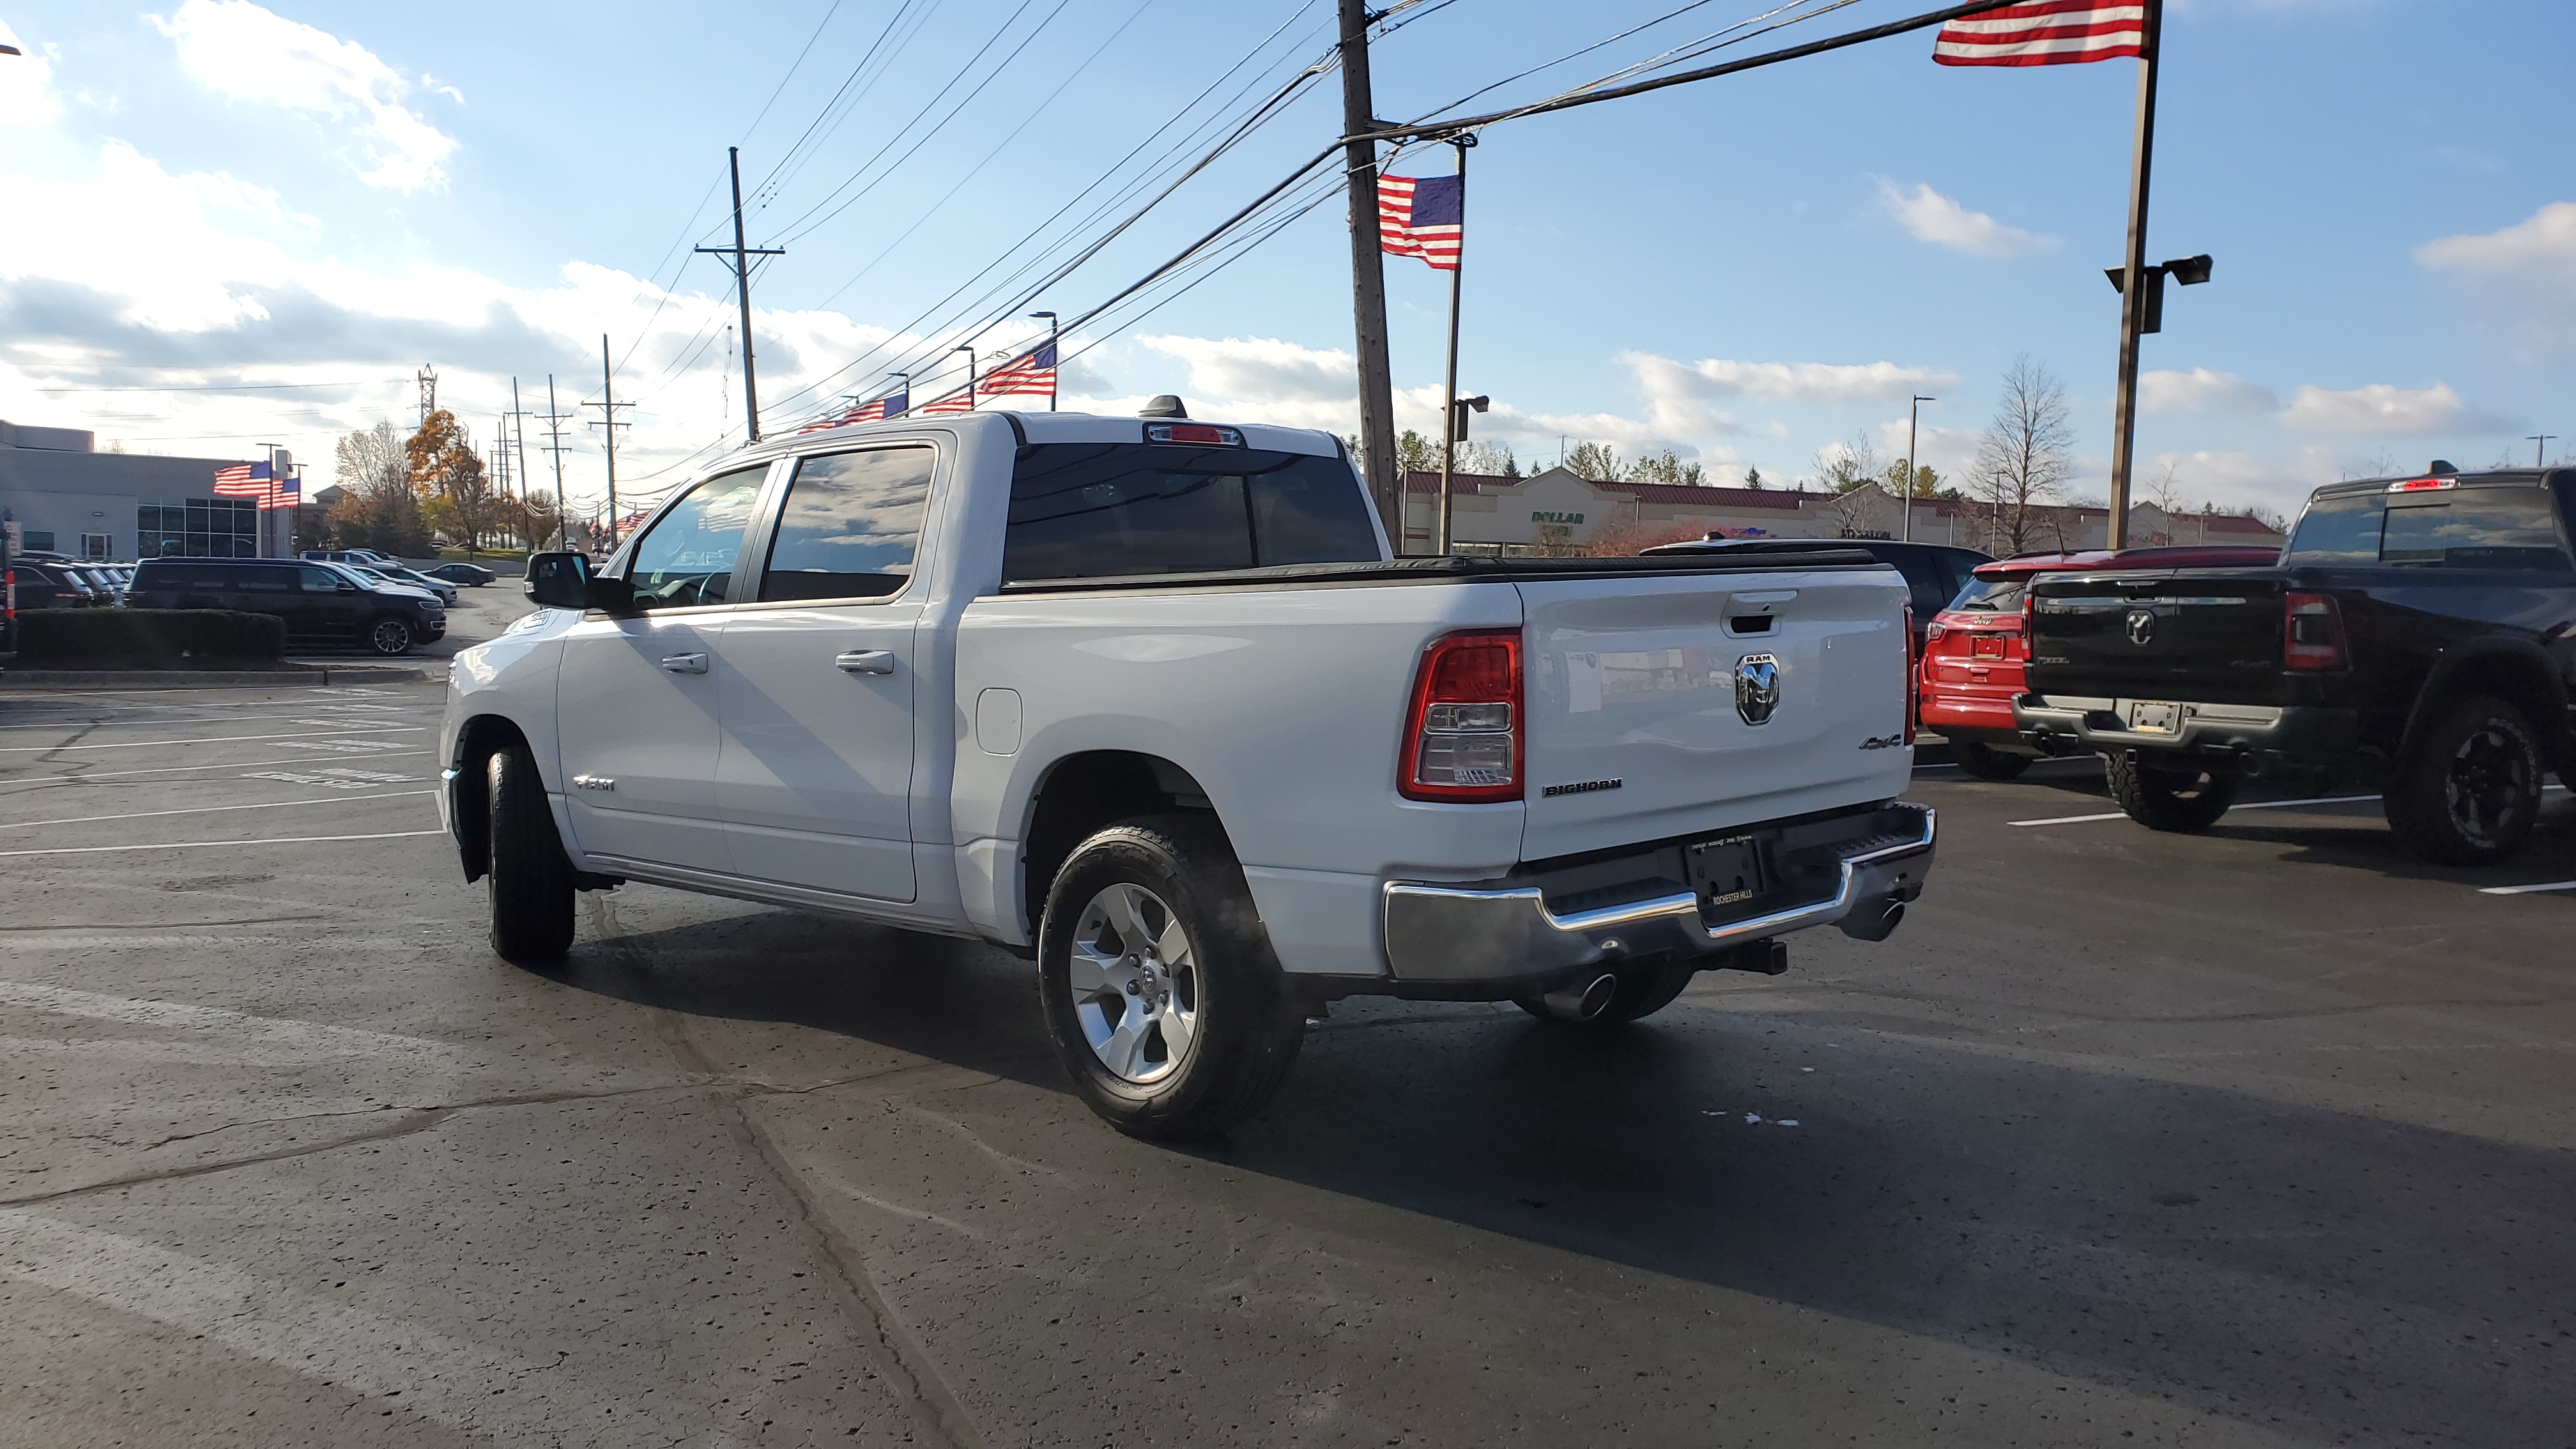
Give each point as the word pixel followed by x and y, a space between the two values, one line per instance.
pixel 1101 510
pixel 2512 528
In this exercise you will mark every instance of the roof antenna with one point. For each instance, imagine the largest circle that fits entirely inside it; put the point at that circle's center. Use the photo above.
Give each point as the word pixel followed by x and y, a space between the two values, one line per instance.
pixel 2442 465
pixel 1164 405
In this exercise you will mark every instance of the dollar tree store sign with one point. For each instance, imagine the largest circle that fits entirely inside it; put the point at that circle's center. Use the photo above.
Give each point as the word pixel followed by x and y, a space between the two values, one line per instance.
pixel 1544 515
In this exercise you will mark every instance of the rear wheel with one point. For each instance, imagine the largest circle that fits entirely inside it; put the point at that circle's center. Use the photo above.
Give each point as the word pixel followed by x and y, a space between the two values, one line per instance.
pixel 528 880
pixel 388 636
pixel 2183 796
pixel 1160 992
pixel 1988 763
pixel 2469 789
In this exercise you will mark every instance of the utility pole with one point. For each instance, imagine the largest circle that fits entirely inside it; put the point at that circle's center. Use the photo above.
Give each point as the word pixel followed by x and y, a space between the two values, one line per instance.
pixel 2540 448
pixel 554 433
pixel 742 290
pixel 1368 275
pixel 2134 280
pixel 519 432
pixel 427 377
pixel 608 426
pixel 1905 495
pixel 1449 425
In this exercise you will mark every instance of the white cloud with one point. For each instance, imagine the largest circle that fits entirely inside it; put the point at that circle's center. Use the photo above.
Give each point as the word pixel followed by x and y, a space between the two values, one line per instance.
pixel 1791 382
pixel 2540 248
pixel 2201 390
pixel 2383 409
pixel 27 96
pixel 1931 217
pixel 251 54
pixel 1249 368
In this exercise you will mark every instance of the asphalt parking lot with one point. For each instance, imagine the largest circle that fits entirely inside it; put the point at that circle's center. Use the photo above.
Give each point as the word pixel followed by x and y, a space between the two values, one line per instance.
pixel 2256 1138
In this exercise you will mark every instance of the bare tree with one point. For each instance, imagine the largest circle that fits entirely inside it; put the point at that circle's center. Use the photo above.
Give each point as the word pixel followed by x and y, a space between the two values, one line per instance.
pixel 1842 467
pixel 1596 461
pixel 2023 460
pixel 1666 467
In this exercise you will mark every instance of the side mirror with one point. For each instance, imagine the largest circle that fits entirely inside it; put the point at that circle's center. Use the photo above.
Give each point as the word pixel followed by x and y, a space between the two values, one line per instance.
pixel 346 587
pixel 564 581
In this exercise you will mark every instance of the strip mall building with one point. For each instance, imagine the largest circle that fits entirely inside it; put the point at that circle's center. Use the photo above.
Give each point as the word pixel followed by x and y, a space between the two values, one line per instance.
pixel 1562 512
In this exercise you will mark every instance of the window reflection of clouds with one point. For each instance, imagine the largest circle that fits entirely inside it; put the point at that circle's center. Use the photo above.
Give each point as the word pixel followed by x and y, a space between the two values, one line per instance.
pixel 684 558
pixel 851 513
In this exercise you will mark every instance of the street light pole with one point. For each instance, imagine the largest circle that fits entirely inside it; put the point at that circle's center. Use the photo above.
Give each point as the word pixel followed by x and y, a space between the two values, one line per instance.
pixel 1055 362
pixel 1913 419
pixel 1449 393
pixel 2540 448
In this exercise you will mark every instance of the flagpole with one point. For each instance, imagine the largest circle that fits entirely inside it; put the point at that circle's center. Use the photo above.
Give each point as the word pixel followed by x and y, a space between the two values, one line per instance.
pixel 2133 286
pixel 1449 393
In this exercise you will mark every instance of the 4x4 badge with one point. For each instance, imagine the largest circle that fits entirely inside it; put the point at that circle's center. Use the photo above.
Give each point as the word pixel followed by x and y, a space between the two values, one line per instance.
pixel 1757 687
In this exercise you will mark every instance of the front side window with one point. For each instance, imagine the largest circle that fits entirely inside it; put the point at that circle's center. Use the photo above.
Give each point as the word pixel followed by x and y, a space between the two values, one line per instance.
pixel 687 558
pixel 1092 510
pixel 850 525
pixel 318 581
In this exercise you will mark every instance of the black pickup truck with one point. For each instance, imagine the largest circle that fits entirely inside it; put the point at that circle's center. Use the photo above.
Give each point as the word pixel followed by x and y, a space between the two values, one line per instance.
pixel 2418 637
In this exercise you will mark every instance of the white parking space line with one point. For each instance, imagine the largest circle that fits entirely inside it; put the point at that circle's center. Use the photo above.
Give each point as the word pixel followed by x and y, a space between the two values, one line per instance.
pixel 373 729
pixel 2556 885
pixel 211 809
pixel 221 844
pixel 261 1040
pixel 2257 805
pixel 298 715
pixel 187 769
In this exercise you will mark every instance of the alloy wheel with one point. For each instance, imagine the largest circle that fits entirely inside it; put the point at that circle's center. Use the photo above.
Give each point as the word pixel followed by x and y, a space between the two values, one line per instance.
pixel 1135 984
pixel 2489 779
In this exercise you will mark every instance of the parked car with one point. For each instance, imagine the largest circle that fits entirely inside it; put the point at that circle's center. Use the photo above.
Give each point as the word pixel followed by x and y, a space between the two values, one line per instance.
pixel 1934 572
pixel 367 556
pixel 321 603
pixel 2413 638
pixel 43 586
pixel 471 575
pixel 1973 651
pixel 397 574
pixel 1218 759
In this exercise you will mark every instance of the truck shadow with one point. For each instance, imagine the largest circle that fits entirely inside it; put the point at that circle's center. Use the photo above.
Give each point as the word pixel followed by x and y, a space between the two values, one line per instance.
pixel 2347 1275
pixel 2366 844
pixel 2268 1262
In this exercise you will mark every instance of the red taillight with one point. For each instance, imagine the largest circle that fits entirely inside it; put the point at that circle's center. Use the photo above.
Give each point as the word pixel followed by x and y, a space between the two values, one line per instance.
pixel 1462 737
pixel 2311 632
pixel 2423 485
pixel 1933 633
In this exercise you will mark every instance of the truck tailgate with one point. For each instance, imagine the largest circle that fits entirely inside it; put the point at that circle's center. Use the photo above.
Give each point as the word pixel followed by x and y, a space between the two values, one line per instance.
pixel 1636 729
pixel 2200 635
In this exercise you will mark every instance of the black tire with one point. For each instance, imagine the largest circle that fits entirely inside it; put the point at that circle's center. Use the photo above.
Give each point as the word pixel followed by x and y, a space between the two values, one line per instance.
pixel 1988 763
pixel 387 635
pixel 528 880
pixel 2182 797
pixel 1640 994
pixel 1245 1026
pixel 2468 789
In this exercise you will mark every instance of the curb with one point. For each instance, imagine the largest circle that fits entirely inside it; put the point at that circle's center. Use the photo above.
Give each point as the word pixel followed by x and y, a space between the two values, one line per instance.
pixel 202 678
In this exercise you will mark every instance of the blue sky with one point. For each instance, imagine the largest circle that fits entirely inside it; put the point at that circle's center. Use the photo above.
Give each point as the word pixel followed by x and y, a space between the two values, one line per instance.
pixel 212 192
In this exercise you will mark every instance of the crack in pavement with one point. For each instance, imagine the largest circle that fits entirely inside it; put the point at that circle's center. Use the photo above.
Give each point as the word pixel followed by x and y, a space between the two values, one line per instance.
pixel 903 1359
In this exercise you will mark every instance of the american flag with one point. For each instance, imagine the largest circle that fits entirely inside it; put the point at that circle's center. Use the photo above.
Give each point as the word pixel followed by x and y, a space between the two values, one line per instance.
pixel 2044 32
pixel 960 401
pixel 1030 372
pixel 1422 216
pixel 892 405
pixel 252 480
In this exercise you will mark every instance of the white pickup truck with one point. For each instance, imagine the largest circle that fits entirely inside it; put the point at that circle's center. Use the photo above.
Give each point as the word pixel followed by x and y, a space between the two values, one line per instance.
pixel 1148 700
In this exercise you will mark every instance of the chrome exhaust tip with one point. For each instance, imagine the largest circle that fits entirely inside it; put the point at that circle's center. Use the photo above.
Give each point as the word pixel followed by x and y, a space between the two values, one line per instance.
pixel 1583 1001
pixel 1874 921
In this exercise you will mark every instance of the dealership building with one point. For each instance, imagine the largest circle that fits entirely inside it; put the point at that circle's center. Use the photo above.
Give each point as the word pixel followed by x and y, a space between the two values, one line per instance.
pixel 68 497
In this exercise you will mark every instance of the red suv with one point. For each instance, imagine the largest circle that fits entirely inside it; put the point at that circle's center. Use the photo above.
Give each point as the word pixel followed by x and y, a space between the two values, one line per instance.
pixel 1973 652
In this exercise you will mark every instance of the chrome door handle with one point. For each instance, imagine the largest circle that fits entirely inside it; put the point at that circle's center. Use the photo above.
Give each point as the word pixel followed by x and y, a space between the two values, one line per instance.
pixel 685 663
pixel 866 661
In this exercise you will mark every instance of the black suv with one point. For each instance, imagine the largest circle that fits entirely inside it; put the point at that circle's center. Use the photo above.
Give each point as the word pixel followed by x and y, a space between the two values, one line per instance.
pixel 320 604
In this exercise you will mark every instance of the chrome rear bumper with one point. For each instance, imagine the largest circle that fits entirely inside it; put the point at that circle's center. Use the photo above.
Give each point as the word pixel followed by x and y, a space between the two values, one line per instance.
pixel 1466 934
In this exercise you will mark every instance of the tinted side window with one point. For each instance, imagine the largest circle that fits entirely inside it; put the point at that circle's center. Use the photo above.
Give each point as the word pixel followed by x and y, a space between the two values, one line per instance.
pixel 317 581
pixel 264 579
pixel 687 558
pixel 1088 510
pixel 2341 530
pixel 850 525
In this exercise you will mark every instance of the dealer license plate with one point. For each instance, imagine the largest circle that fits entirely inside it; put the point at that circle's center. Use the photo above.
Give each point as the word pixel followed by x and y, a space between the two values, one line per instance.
pixel 1726 871
pixel 2152 716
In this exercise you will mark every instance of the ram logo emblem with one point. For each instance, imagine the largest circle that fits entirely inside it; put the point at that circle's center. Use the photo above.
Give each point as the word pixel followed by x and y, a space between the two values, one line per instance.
pixel 2142 627
pixel 1757 687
